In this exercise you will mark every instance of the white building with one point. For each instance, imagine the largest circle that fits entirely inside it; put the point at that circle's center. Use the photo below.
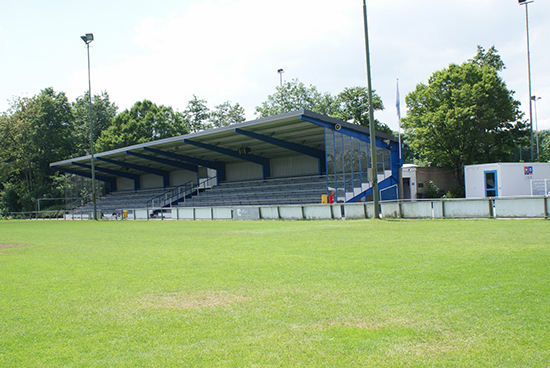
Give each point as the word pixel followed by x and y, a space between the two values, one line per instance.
pixel 509 179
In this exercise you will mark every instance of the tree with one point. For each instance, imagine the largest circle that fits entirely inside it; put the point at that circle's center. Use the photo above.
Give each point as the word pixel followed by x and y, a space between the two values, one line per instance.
pixel 35 132
pixel 294 95
pixel 144 122
pixel 227 114
pixel 465 115
pixel 544 146
pixel 196 115
pixel 103 113
pixel 353 106
pixel 489 58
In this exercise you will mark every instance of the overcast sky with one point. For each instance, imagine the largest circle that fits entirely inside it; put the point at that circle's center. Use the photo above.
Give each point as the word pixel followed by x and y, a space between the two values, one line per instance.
pixel 230 50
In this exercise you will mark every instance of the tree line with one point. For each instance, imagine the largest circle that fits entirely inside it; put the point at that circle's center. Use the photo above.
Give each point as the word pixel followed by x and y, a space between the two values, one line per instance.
pixel 464 115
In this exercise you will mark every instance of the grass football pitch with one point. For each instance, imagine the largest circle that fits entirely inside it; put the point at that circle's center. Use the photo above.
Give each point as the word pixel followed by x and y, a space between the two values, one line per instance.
pixel 363 293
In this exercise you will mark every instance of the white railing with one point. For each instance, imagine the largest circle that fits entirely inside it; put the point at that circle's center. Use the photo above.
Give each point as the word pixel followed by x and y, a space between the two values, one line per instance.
pixel 540 187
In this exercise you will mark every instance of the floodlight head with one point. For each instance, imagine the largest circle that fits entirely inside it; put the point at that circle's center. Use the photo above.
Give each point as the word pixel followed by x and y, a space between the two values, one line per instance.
pixel 88 38
pixel 280 71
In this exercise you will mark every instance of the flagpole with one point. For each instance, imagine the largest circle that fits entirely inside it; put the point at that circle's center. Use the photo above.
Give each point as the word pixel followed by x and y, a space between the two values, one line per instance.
pixel 398 108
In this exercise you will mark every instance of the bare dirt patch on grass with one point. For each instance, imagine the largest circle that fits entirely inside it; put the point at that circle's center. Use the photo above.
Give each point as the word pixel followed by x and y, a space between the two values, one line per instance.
pixel 8 246
pixel 193 301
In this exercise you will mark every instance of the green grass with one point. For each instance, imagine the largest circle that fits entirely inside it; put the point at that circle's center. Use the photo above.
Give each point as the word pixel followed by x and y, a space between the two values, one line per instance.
pixel 269 293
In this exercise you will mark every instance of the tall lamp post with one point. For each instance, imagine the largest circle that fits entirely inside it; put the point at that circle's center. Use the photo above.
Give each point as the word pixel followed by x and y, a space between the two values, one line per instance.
pixel 372 130
pixel 88 38
pixel 526 2
pixel 281 71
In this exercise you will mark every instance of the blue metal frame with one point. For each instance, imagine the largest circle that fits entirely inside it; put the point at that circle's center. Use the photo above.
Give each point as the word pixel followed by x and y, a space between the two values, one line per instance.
pixel 300 148
pixel 393 147
pixel 264 162
pixel 164 174
pixel 485 182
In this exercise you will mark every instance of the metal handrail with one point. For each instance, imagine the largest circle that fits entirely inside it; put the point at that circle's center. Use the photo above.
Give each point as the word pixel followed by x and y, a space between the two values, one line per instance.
pixel 162 198
pixel 179 192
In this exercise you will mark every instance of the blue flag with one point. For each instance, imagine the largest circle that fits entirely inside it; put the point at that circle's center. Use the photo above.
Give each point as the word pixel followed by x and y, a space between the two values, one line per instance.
pixel 397 102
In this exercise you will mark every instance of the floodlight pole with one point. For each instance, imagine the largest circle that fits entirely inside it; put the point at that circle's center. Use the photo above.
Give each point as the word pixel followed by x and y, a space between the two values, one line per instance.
pixel 88 39
pixel 535 99
pixel 372 130
pixel 526 3
pixel 281 71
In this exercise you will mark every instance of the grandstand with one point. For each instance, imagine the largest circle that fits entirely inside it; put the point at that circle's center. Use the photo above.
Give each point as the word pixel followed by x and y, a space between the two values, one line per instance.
pixel 295 190
pixel 292 158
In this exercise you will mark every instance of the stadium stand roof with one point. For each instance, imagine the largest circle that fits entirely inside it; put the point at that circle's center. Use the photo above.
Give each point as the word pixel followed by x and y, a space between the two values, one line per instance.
pixel 256 141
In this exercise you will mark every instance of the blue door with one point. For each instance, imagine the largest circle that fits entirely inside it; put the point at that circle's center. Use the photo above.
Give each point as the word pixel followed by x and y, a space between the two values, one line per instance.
pixel 491 184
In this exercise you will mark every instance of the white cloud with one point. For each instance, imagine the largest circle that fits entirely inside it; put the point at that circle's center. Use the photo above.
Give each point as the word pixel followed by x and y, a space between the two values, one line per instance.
pixel 231 49
pixel 224 50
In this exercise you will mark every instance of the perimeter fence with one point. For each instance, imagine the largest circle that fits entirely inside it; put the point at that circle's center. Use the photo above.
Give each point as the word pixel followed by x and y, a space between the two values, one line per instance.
pixel 509 207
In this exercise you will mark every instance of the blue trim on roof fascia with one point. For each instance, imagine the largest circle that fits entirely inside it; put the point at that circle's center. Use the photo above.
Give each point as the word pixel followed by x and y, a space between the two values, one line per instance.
pixel 181 165
pixel 264 162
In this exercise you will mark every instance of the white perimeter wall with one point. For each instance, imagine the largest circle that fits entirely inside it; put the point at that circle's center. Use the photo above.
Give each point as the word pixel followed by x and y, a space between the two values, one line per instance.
pixel 533 207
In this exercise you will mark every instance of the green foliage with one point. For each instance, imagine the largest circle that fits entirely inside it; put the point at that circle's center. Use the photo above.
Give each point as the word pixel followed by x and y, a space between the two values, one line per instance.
pixel 292 96
pixel 410 156
pixel 144 122
pixel 544 146
pixel 465 115
pixel 103 113
pixel 365 293
pixel 45 128
pixel 35 131
pixel 456 192
pixel 9 198
pixel 351 105
pixel 227 114
pixel 489 58
pixel 196 115
pixel 431 190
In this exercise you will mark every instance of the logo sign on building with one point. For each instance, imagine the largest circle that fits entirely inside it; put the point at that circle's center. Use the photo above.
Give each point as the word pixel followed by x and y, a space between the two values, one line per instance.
pixel 528 170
